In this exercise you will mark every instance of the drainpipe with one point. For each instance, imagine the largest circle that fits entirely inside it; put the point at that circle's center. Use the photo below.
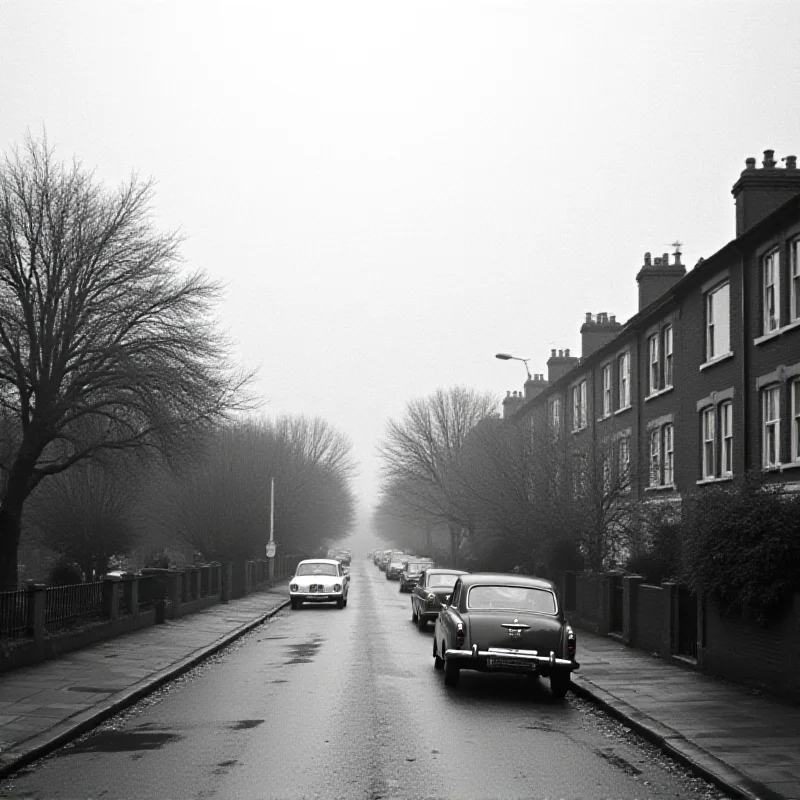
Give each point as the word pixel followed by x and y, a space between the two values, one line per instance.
pixel 744 360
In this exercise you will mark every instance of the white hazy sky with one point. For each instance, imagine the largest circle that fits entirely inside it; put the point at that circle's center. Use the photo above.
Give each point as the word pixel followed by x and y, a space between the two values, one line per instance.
pixel 395 191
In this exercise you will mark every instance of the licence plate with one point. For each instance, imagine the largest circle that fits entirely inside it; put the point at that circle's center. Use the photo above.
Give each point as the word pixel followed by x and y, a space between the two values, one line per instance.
pixel 496 662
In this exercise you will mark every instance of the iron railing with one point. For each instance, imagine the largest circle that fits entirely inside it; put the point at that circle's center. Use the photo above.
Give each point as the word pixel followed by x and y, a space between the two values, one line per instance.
pixel 14 613
pixel 70 605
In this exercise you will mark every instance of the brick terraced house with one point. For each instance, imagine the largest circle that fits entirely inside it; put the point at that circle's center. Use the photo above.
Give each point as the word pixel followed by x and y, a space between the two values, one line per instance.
pixel 703 382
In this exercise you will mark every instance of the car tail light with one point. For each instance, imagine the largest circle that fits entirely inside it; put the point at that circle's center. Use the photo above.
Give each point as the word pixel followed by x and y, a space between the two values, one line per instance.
pixel 293 587
pixel 430 599
pixel 571 643
pixel 337 587
pixel 460 636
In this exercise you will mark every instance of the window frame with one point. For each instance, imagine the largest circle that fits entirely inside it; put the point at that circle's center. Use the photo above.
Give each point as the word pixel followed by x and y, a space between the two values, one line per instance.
pixel 607 381
pixel 669 342
pixel 579 409
pixel 668 454
pixel 794 280
pixel 794 389
pixel 624 375
pixel 714 321
pixel 653 364
pixel 770 428
pixel 708 438
pixel 624 462
pixel 654 457
pixel 726 438
pixel 771 292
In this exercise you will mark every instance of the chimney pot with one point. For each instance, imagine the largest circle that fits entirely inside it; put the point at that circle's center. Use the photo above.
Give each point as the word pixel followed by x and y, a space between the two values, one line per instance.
pixel 769 161
pixel 613 319
pixel 588 316
pixel 508 393
pixel 552 354
pixel 647 259
pixel 665 259
pixel 566 352
pixel 791 162
pixel 560 353
pixel 750 163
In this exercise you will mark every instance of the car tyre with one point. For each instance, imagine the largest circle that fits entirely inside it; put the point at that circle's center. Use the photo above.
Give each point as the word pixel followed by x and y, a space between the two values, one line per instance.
pixel 414 617
pixel 559 684
pixel 340 603
pixel 438 663
pixel 344 603
pixel 422 623
pixel 294 603
pixel 452 672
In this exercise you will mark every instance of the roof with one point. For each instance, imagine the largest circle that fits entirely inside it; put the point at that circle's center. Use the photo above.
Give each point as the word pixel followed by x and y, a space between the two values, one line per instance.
pixel 506 579
pixel 445 571
pixel 320 561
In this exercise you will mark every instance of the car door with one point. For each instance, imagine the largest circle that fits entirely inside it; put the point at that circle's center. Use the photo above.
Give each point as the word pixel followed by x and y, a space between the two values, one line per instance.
pixel 450 617
pixel 418 595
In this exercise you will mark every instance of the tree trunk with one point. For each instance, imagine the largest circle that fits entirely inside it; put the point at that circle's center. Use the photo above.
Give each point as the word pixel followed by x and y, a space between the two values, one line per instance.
pixel 455 542
pixel 9 546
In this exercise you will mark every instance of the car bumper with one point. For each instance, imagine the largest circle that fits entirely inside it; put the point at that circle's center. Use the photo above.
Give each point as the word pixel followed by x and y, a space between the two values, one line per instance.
pixel 498 659
pixel 316 597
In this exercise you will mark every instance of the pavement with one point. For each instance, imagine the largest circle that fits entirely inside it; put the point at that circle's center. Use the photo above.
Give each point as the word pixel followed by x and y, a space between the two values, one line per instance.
pixel 746 743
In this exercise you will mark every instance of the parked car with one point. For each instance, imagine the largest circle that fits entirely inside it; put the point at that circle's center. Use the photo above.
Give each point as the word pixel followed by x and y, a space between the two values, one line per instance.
pixel 394 568
pixel 413 569
pixel 505 623
pixel 384 560
pixel 428 595
pixel 319 580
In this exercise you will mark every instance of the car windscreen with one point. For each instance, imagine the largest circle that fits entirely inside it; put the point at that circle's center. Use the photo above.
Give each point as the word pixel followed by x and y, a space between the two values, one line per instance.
pixel 516 598
pixel 441 581
pixel 418 566
pixel 317 569
pixel 395 563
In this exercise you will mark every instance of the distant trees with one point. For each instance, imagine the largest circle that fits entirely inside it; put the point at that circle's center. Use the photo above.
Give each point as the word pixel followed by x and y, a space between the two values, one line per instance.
pixel 219 502
pixel 421 457
pixel 105 345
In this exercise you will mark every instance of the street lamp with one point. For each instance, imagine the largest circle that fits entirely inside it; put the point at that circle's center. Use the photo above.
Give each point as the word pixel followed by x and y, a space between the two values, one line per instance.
pixel 508 357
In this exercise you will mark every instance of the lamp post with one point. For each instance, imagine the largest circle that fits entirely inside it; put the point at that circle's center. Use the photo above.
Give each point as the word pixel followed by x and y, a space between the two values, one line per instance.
pixel 508 357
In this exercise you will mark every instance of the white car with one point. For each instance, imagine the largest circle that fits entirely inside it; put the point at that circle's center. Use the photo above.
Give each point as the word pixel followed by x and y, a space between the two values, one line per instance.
pixel 319 580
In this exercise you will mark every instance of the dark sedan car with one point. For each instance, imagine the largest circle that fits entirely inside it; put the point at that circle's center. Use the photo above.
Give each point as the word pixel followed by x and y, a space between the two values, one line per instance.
pixel 505 623
pixel 412 572
pixel 428 595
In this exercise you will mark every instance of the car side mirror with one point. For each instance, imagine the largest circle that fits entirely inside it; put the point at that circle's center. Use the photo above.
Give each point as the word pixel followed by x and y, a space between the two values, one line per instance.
pixel 447 599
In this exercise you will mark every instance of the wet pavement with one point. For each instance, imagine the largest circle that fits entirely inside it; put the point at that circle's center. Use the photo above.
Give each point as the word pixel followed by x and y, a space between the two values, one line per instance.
pixel 353 693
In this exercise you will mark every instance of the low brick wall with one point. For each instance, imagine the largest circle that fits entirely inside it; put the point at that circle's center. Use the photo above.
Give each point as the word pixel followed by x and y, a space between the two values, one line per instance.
pixel 764 657
pixel 651 631
pixel 589 602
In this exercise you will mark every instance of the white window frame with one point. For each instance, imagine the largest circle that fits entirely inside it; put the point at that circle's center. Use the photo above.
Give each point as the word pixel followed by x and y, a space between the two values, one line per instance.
pixel 669 338
pixel 794 281
pixel 771 292
pixel 709 440
pixel 668 449
pixel 726 438
pixel 794 388
pixel 653 364
pixel 579 406
pixel 624 367
pixel 655 457
pixel 624 462
pixel 771 427
pixel 555 413
pixel 606 372
pixel 718 326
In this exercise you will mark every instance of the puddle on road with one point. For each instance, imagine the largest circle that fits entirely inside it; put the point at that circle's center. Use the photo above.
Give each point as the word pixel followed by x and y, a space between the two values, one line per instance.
pixel 619 762
pixel 120 742
pixel 303 653
pixel 245 724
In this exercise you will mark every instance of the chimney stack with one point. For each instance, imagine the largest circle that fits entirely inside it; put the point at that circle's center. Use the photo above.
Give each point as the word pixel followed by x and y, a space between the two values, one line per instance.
pixel 512 403
pixel 559 365
pixel 595 332
pixel 758 192
pixel 535 386
pixel 656 276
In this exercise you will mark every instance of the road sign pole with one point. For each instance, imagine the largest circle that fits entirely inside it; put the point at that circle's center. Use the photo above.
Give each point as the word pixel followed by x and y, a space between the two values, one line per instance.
pixel 271 545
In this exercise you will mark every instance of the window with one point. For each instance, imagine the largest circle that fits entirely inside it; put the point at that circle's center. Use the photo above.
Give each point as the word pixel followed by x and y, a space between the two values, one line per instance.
pixel 718 322
pixel 795 389
pixel 555 413
pixel 667 435
pixel 624 367
pixel 709 443
pixel 606 390
pixel 726 435
pixel 771 428
pixel 624 462
pixel 772 292
pixel 579 406
pixel 655 457
pixel 606 475
pixel 794 286
pixel 667 356
pixel 652 350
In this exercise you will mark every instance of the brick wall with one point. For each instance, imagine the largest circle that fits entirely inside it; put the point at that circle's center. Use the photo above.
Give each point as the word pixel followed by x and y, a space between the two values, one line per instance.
pixel 589 601
pixel 768 658
pixel 651 631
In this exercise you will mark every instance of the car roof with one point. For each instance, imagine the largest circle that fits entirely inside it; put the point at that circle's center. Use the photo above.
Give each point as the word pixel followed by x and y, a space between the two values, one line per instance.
pixel 506 579
pixel 445 571
pixel 319 561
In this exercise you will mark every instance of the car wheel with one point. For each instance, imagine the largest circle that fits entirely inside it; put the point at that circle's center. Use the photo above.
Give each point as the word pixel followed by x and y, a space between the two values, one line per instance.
pixel 340 603
pixel 559 683
pixel 438 663
pixel 414 617
pixel 344 602
pixel 294 603
pixel 452 672
pixel 422 623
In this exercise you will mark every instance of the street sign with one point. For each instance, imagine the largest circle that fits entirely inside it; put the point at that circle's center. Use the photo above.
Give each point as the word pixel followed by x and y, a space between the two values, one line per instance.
pixel 271 550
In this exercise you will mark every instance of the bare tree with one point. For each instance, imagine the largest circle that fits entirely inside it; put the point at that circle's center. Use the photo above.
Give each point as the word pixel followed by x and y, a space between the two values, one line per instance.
pixel 421 454
pixel 97 324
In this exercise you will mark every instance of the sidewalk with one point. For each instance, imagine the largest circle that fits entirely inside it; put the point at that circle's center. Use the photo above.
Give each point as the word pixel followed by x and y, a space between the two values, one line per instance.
pixel 746 743
pixel 45 705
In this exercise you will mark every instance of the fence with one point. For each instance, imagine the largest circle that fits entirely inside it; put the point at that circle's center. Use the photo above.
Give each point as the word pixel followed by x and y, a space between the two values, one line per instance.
pixel 14 613
pixel 70 605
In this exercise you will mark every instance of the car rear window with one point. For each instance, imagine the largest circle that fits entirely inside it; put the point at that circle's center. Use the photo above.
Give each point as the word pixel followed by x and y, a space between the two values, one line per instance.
pixel 317 569
pixel 442 581
pixel 517 598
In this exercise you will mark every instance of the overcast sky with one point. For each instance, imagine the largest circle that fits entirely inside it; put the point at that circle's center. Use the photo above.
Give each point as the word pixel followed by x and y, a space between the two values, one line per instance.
pixel 393 192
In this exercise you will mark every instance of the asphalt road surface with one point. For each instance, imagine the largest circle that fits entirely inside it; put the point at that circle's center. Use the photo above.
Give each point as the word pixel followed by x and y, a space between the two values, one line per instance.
pixel 329 703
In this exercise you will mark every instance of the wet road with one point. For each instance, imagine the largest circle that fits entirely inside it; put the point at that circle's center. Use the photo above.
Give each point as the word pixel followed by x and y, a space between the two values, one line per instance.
pixel 328 703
